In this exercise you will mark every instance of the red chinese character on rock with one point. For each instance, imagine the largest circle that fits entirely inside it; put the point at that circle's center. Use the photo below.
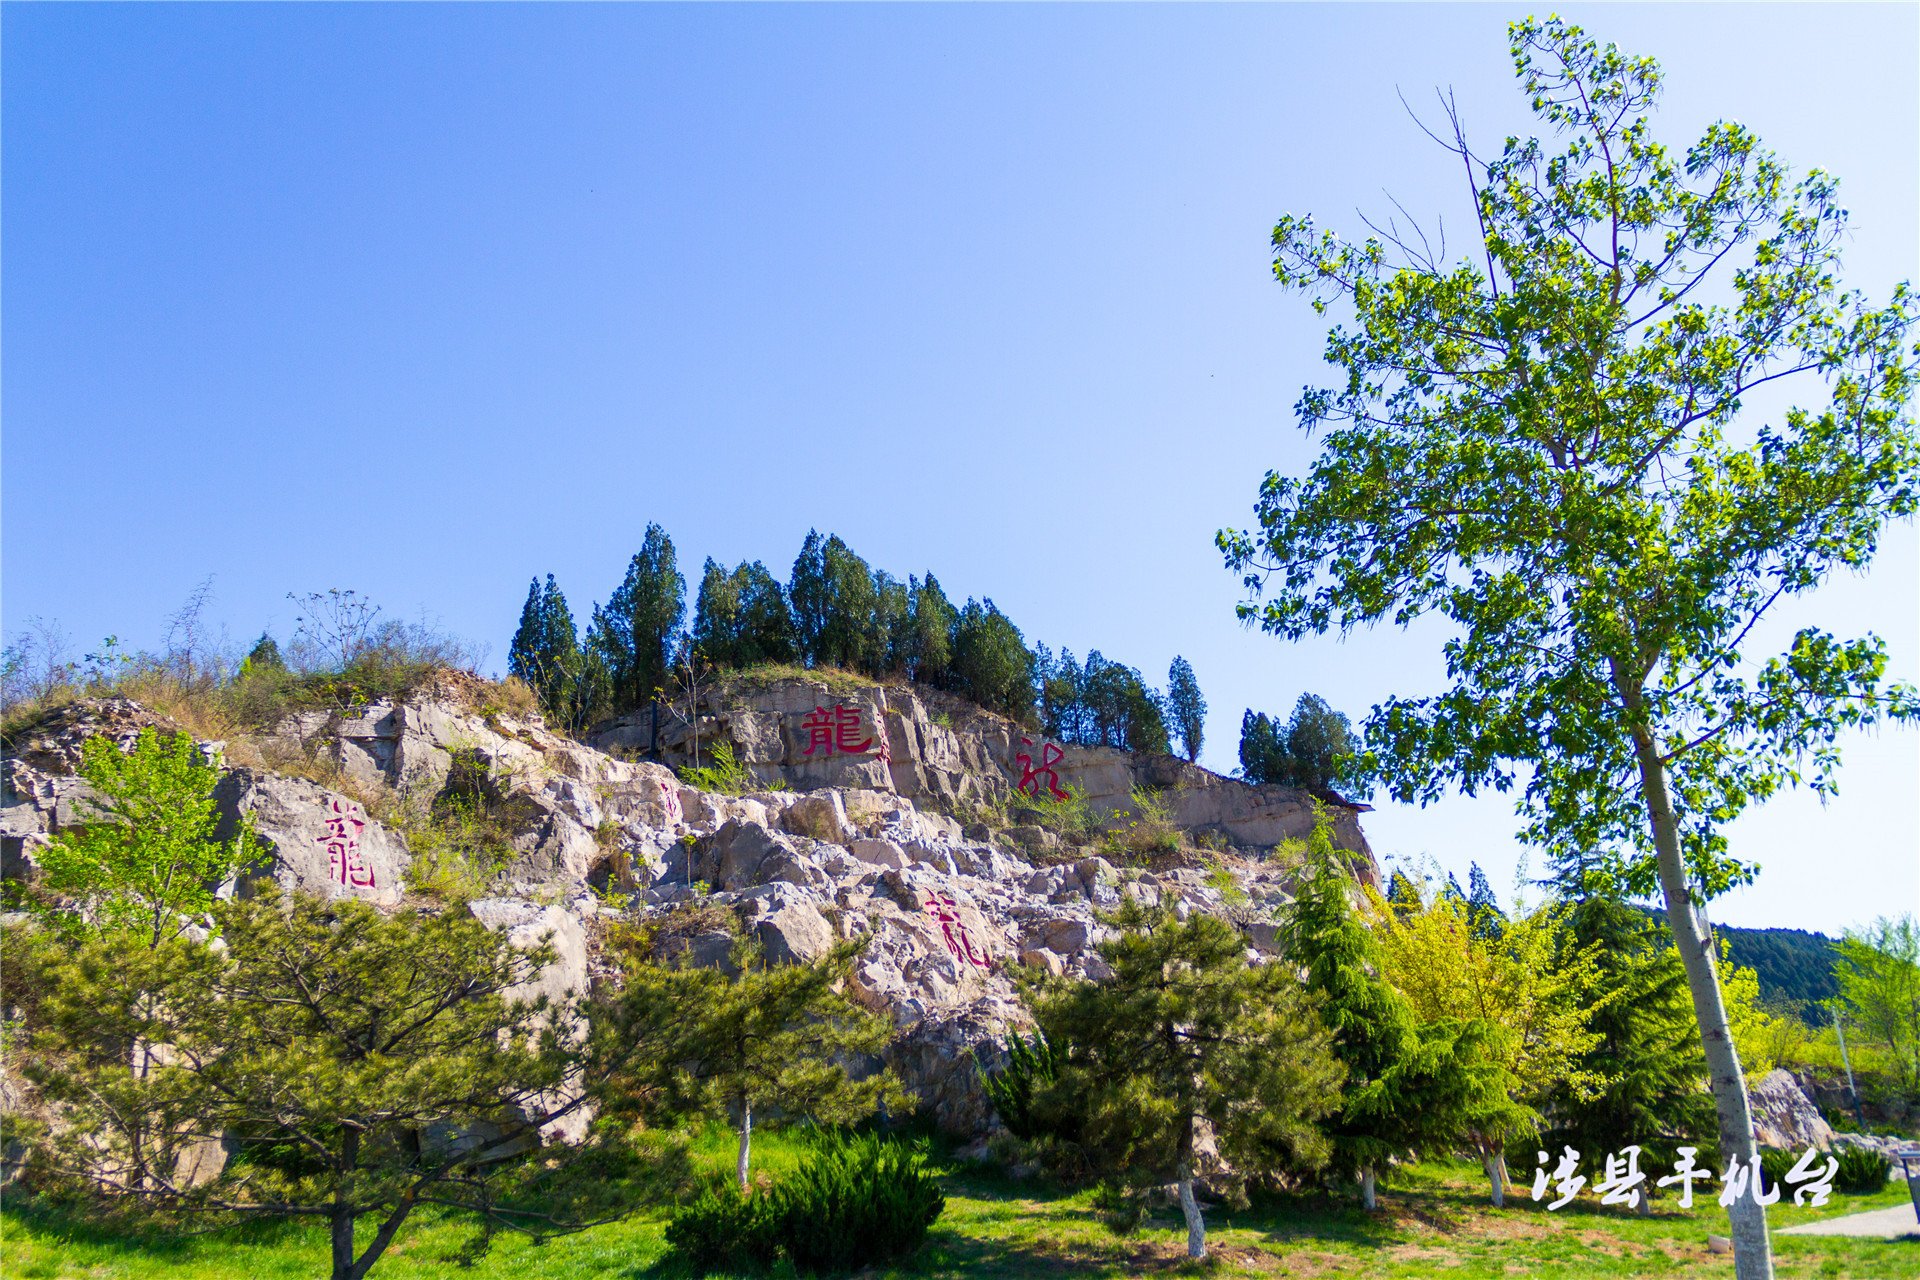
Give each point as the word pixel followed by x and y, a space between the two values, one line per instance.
pixel 342 838
pixel 959 941
pixel 835 730
pixel 1031 774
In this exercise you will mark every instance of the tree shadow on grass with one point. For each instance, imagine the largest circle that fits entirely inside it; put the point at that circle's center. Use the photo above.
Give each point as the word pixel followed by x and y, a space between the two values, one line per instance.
pixel 170 1239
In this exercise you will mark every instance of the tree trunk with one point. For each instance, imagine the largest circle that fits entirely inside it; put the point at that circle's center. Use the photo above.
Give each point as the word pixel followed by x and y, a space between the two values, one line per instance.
pixel 1644 1205
pixel 1367 1198
pixel 340 1220
pixel 1190 1207
pixel 1495 1163
pixel 1752 1253
pixel 746 1142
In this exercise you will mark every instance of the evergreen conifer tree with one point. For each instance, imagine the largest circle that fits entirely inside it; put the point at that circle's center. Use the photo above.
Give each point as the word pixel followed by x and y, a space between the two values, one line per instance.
pixel 638 625
pixel 1185 1032
pixel 930 621
pixel 1483 906
pixel 991 664
pixel 1186 708
pixel 1648 1060
pixel 810 595
pixel 766 632
pixel 716 616
pixel 1409 1088
pixel 1263 750
pixel 546 649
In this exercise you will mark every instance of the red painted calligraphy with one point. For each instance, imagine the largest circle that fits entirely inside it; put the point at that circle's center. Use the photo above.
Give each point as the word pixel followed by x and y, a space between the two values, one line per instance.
pixel 1031 774
pixel 342 838
pixel 836 730
pixel 944 909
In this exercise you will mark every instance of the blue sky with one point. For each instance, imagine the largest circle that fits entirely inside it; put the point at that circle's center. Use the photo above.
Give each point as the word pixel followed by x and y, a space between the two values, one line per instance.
pixel 426 300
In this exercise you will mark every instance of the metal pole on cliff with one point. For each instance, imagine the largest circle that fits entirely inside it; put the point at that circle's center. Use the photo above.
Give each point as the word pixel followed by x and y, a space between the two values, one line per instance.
pixel 1841 1033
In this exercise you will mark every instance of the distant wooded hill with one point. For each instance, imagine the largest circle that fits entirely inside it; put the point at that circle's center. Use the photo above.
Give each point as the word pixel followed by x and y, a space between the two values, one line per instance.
pixel 1793 965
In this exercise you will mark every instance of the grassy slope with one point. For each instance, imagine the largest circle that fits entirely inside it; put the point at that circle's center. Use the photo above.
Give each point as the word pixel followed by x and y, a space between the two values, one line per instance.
pixel 1435 1222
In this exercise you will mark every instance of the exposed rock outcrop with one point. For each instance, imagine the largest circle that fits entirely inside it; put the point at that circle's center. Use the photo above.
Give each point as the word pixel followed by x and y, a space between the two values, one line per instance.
pixel 855 835
pixel 1784 1116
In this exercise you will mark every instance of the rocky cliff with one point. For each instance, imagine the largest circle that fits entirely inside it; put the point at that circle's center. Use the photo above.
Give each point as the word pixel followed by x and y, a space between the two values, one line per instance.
pixel 872 810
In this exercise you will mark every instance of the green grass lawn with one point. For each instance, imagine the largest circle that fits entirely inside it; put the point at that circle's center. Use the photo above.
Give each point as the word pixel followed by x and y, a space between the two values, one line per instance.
pixel 1434 1221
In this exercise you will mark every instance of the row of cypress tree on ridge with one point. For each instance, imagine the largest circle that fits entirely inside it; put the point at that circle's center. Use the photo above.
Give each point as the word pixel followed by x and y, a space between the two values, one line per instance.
pixel 835 610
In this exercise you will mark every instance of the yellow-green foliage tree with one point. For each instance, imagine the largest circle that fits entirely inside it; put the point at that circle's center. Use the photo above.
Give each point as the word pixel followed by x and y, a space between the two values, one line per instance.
pixel 1520 981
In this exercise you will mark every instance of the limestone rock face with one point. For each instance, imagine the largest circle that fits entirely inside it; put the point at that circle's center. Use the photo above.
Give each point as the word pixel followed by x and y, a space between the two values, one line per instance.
pixel 317 841
pixel 854 837
pixel 941 752
pixel 1783 1115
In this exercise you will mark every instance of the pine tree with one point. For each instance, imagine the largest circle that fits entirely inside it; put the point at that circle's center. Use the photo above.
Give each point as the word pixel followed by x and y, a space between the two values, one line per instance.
pixel 1186 708
pixel 343 1047
pixel 991 664
pixel 1648 1057
pixel 1409 1088
pixel 777 1037
pixel 930 621
pixel 638 625
pixel 546 649
pixel 1185 1032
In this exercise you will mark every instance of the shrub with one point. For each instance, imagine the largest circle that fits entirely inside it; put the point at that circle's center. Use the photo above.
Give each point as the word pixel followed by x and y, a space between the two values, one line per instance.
pixel 856 1201
pixel 725 1231
pixel 1031 1065
pixel 1148 834
pixel 726 774
pixel 1861 1172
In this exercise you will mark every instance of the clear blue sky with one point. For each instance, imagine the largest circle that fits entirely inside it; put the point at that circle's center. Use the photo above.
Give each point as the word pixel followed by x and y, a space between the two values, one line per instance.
pixel 426 300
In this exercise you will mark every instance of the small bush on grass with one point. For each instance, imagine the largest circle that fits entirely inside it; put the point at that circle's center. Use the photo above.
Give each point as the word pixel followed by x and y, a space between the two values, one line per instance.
pixel 1861 1172
pixel 725 1231
pixel 854 1202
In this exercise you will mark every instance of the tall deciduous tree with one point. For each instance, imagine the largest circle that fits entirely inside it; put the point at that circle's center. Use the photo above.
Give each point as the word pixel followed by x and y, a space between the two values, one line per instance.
pixel 636 628
pixel 1186 1033
pixel 1879 973
pixel 1186 708
pixel 1540 443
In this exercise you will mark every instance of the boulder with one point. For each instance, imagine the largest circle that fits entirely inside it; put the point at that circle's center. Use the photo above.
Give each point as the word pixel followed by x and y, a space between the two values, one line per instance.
pixel 823 816
pixel 1784 1117
pixel 794 934
pixel 316 841
pixel 879 853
